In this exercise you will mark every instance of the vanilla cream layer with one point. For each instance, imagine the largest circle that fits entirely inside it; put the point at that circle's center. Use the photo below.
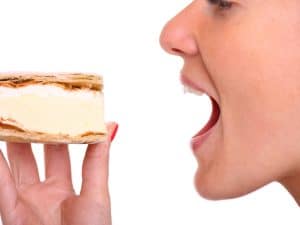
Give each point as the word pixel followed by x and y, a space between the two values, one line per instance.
pixel 52 110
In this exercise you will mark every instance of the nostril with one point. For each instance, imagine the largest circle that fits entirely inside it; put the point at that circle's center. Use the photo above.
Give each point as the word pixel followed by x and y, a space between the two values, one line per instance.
pixel 176 51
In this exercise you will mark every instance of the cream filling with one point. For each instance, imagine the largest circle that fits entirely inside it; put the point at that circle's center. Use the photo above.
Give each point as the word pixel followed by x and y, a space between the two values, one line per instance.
pixel 52 110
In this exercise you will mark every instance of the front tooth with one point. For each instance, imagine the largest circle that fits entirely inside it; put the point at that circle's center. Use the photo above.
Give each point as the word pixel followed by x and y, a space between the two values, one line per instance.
pixel 191 90
pixel 197 92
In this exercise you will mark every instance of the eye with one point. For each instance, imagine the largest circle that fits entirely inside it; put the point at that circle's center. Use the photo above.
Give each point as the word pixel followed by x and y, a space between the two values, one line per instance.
pixel 221 4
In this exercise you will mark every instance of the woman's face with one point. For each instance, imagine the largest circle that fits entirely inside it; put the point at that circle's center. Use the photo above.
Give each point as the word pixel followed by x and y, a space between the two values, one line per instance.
pixel 246 55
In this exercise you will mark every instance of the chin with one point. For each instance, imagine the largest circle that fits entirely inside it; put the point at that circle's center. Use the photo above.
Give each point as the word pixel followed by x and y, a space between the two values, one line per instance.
pixel 215 192
pixel 214 188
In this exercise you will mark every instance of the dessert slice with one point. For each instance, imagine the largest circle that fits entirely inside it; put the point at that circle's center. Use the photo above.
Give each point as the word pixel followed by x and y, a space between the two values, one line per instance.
pixel 51 108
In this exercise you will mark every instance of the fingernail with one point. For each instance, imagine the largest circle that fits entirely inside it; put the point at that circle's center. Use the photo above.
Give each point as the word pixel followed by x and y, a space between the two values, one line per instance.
pixel 114 132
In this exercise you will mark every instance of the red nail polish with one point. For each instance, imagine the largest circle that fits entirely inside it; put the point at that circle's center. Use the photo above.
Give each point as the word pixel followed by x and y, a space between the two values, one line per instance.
pixel 113 134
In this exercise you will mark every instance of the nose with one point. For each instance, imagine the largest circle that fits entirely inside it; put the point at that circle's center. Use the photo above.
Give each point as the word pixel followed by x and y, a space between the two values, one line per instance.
pixel 178 35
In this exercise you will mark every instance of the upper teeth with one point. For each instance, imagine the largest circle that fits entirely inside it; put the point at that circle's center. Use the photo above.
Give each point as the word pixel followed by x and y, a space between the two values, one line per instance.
pixel 193 91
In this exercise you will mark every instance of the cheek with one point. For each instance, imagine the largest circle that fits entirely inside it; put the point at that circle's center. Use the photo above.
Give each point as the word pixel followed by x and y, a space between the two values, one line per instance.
pixel 259 88
pixel 258 80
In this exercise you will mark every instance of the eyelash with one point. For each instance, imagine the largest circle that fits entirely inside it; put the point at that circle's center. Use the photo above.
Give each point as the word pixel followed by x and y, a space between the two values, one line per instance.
pixel 222 4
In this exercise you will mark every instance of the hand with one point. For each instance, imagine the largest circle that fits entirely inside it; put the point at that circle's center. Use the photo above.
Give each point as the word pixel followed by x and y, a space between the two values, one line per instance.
pixel 25 200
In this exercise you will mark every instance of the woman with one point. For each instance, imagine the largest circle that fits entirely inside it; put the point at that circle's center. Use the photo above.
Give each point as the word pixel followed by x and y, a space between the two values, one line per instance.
pixel 245 55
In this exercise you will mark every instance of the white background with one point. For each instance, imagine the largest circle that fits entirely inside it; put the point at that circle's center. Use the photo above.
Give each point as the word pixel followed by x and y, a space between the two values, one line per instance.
pixel 152 167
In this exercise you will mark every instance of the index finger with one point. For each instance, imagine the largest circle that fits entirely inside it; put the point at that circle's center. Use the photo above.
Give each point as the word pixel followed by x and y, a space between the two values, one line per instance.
pixel 95 167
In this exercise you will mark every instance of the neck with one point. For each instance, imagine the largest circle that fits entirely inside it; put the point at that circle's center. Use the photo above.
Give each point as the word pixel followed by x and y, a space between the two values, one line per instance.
pixel 292 184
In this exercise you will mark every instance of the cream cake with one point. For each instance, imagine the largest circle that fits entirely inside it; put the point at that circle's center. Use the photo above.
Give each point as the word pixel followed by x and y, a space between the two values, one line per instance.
pixel 51 108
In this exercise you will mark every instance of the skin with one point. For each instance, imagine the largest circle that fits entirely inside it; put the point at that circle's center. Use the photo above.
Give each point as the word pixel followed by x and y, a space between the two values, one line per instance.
pixel 246 56
pixel 25 200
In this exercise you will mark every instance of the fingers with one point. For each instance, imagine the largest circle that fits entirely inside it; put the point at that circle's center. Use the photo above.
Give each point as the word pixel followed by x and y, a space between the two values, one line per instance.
pixel 57 162
pixel 95 167
pixel 8 191
pixel 22 163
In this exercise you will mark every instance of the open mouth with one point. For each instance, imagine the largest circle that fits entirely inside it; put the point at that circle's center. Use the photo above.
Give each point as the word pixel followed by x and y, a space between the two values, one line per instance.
pixel 199 138
pixel 194 88
pixel 215 114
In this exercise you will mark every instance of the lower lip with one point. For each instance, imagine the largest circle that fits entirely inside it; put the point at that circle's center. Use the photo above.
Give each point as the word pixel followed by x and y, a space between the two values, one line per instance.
pixel 197 141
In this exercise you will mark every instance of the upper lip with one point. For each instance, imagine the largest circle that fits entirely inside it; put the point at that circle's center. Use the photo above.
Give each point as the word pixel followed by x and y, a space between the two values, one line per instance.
pixel 189 83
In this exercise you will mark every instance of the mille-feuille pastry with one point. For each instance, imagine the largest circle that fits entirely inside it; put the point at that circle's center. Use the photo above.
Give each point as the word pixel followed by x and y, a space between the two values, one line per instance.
pixel 51 108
